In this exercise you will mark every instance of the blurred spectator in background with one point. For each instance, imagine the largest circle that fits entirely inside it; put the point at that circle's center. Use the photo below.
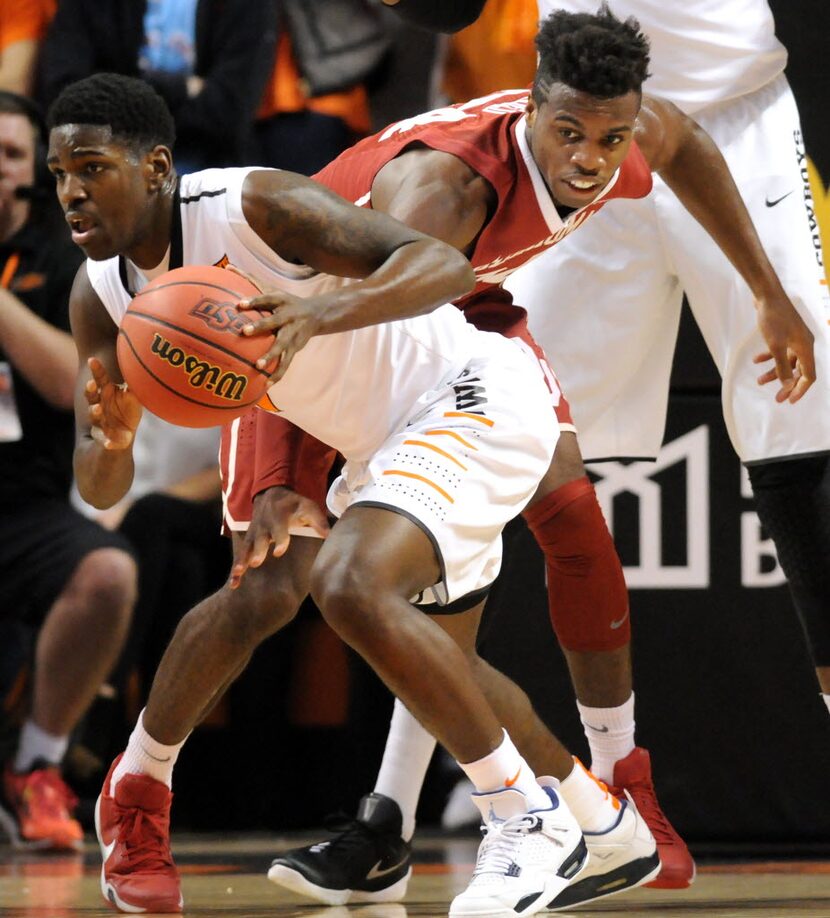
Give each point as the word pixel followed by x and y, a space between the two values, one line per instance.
pixel 316 104
pixel 66 583
pixel 209 59
pixel 22 27
pixel 494 52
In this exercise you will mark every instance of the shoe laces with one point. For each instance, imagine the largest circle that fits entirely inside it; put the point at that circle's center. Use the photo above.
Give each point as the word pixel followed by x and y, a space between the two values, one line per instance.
pixel 44 793
pixel 500 845
pixel 144 835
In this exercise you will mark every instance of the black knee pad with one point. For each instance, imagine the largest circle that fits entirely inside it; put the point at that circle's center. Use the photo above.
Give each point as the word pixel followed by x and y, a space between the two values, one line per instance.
pixel 792 499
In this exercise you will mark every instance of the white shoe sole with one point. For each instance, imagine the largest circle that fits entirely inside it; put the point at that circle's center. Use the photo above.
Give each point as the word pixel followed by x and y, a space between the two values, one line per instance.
pixel 603 885
pixel 296 882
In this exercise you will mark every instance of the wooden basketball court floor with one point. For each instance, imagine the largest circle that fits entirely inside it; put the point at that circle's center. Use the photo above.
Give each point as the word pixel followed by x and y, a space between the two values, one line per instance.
pixel 224 877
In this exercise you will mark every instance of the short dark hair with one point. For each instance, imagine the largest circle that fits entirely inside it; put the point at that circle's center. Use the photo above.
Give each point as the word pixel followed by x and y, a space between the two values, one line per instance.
pixel 595 53
pixel 133 110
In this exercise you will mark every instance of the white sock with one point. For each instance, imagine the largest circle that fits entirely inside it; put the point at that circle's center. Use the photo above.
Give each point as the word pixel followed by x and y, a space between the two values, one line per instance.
pixel 35 743
pixel 406 758
pixel 594 808
pixel 826 699
pixel 504 767
pixel 610 734
pixel 146 756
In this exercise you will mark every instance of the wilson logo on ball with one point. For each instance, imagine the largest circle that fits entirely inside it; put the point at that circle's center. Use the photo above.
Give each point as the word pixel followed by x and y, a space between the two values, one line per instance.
pixel 200 373
pixel 220 315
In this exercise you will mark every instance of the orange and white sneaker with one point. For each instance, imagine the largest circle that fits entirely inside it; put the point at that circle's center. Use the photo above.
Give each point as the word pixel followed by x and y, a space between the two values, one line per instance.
pixel 633 774
pixel 37 810
pixel 133 828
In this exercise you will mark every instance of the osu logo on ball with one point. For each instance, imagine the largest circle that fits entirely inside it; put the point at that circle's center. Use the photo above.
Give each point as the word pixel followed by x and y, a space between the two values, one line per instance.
pixel 200 373
pixel 220 315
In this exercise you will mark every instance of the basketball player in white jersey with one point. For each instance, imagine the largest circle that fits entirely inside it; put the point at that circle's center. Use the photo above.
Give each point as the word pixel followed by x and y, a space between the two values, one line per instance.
pixel 431 476
pixel 722 63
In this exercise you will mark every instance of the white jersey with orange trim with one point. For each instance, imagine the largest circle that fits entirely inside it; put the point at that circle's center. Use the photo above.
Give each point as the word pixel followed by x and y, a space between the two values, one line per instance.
pixel 448 425
pixel 702 51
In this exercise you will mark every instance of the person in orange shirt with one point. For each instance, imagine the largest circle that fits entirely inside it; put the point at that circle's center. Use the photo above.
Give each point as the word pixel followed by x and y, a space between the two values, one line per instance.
pixel 22 27
pixel 497 50
pixel 300 132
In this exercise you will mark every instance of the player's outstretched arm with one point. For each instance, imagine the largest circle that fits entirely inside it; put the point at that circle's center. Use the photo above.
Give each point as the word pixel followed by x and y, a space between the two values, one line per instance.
pixel 688 161
pixel 106 413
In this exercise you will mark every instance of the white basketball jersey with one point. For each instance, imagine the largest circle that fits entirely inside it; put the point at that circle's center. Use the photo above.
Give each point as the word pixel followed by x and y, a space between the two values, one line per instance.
pixel 351 389
pixel 702 51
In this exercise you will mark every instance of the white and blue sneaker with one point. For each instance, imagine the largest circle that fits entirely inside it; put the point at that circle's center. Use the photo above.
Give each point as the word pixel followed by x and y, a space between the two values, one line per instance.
pixel 620 858
pixel 526 858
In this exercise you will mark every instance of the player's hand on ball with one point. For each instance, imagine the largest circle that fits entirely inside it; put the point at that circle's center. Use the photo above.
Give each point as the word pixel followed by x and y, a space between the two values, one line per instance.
pixel 114 412
pixel 790 345
pixel 276 511
pixel 294 320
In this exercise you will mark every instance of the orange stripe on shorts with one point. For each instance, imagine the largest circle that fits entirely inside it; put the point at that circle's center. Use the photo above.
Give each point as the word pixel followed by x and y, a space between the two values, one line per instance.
pixel 436 449
pixel 451 433
pixel 432 484
pixel 472 417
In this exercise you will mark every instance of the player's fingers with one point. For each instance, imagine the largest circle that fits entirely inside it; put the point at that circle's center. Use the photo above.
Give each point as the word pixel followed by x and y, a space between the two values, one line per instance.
pixel 281 546
pixel 783 368
pixel 762 358
pixel 120 438
pixel 91 392
pixel 272 356
pixel 268 303
pixel 236 575
pixel 805 360
pixel 802 384
pixel 768 377
pixel 312 516
pixel 99 373
pixel 98 435
pixel 283 363
pixel 241 561
pixel 259 550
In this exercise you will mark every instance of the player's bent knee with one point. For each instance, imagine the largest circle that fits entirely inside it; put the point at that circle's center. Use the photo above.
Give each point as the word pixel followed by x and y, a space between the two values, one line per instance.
pixel 256 610
pixel 348 598
pixel 106 579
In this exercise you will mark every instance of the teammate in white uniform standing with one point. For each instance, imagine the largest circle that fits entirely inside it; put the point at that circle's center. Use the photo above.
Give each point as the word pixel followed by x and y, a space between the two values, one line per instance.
pixel 628 269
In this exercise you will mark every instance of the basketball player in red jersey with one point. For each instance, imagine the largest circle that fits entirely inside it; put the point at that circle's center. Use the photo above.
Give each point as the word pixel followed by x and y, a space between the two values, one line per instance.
pixel 503 179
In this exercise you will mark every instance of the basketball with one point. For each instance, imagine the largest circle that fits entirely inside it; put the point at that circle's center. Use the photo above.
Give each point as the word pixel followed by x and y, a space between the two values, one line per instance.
pixel 182 352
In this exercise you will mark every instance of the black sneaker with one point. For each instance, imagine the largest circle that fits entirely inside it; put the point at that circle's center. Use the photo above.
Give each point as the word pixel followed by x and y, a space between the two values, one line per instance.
pixel 367 861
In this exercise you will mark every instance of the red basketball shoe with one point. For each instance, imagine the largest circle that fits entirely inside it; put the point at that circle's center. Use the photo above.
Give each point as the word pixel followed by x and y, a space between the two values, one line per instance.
pixel 133 827
pixel 37 810
pixel 633 774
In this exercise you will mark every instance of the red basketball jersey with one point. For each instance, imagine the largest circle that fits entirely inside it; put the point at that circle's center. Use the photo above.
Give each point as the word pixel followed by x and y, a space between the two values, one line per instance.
pixel 487 134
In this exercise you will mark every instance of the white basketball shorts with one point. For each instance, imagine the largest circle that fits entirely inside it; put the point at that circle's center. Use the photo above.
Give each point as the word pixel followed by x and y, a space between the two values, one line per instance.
pixel 610 330
pixel 464 465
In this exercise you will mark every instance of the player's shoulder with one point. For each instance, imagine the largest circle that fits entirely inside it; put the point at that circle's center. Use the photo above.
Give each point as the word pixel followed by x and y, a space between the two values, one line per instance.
pixel 212 183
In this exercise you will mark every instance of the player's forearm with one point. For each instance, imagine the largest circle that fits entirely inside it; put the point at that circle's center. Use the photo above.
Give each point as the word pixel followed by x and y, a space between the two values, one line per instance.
pixel 103 476
pixel 700 178
pixel 415 279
